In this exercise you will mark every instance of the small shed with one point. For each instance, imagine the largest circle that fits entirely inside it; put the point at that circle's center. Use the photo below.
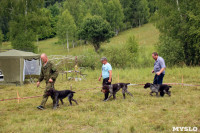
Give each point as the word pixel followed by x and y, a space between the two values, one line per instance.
pixel 15 65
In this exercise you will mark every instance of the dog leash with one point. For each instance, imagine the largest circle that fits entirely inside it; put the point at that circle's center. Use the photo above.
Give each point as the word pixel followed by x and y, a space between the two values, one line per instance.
pixel 167 84
pixel 191 85
pixel 20 98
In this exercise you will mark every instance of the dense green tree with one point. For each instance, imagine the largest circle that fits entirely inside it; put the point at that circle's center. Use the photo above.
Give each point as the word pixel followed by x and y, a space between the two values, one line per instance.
pixel 136 12
pixel 77 9
pixel 171 50
pixel 126 5
pixel 66 27
pixel 96 7
pixel 1 37
pixel 152 6
pixel 55 12
pixel 48 3
pixel 5 16
pixel 30 20
pixel 114 14
pixel 180 20
pixel 140 12
pixel 95 30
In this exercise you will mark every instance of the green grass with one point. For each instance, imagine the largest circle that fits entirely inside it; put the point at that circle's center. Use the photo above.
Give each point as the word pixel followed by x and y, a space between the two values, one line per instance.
pixel 142 113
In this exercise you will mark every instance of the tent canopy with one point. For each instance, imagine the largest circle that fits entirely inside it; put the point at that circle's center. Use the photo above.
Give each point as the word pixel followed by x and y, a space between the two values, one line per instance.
pixel 13 63
pixel 19 54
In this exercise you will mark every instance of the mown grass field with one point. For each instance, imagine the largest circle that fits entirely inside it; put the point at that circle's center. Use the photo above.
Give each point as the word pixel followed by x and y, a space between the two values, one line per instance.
pixel 143 113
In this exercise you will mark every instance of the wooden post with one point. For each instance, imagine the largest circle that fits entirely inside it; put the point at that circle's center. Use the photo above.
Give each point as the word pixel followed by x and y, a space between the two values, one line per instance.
pixel 118 77
pixel 182 80
pixel 18 97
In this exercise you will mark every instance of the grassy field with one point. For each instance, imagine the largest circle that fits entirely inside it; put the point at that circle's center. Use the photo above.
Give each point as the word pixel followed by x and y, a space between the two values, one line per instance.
pixel 143 113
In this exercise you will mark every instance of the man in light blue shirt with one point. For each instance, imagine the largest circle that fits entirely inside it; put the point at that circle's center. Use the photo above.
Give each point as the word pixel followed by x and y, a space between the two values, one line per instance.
pixel 106 74
pixel 159 68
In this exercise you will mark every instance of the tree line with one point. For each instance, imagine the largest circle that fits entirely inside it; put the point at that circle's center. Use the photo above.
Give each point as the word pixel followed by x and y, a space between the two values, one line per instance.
pixel 25 21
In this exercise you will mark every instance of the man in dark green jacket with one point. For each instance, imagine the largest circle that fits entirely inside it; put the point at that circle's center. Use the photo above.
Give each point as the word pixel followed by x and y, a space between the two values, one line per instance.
pixel 49 74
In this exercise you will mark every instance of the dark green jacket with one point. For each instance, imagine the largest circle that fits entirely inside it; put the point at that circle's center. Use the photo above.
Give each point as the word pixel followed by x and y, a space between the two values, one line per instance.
pixel 48 71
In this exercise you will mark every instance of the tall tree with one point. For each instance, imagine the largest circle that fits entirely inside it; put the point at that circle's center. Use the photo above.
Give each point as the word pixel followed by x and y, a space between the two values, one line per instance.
pixel 95 30
pixel 28 20
pixel 1 37
pixel 24 23
pixel 77 9
pixel 114 15
pixel 66 27
pixel 180 21
pixel 96 7
pixel 136 12
pixel 5 16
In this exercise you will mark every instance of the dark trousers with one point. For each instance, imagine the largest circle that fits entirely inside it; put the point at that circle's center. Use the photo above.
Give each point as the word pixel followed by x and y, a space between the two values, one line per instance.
pixel 158 79
pixel 105 82
pixel 45 96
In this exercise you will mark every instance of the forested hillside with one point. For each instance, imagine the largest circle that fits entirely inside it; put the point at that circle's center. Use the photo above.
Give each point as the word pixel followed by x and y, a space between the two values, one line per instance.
pixel 25 22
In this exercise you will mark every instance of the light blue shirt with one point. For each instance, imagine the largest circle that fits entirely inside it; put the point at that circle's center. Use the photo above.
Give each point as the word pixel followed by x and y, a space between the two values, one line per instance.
pixel 105 70
pixel 159 64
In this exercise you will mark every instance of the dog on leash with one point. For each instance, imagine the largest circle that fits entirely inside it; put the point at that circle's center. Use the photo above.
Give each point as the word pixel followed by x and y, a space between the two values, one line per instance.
pixel 157 88
pixel 60 95
pixel 114 88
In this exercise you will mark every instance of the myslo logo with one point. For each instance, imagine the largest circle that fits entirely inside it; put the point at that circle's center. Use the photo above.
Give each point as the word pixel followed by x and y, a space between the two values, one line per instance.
pixel 191 129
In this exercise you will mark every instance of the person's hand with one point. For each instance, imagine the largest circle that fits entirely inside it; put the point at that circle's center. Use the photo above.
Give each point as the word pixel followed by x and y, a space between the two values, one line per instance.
pixel 99 78
pixel 38 84
pixel 50 80
pixel 109 80
pixel 152 71
pixel 158 73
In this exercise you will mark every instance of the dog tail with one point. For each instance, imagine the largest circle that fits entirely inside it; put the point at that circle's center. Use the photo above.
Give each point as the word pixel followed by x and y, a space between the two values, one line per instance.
pixel 128 83
pixel 170 86
pixel 73 92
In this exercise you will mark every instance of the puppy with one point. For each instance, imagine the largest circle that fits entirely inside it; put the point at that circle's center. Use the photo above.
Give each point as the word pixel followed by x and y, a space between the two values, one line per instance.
pixel 114 88
pixel 60 95
pixel 156 88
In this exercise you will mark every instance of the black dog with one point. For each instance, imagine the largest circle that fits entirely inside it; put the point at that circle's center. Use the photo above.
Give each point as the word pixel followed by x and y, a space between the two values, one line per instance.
pixel 114 88
pixel 156 88
pixel 60 95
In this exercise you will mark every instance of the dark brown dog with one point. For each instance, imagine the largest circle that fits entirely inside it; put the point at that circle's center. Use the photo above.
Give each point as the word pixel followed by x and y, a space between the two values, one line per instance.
pixel 60 95
pixel 114 88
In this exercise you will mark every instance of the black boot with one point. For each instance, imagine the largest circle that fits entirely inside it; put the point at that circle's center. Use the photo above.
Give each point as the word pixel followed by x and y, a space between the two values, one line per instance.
pixel 40 107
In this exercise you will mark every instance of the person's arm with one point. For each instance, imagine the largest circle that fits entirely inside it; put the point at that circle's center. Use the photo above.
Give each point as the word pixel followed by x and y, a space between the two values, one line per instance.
pixel 54 74
pixel 40 78
pixel 100 77
pixel 110 75
pixel 161 70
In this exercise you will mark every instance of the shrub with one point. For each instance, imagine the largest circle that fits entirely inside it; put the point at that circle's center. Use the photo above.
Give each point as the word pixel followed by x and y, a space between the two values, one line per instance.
pixel 89 59
pixel 171 50
pixel 120 56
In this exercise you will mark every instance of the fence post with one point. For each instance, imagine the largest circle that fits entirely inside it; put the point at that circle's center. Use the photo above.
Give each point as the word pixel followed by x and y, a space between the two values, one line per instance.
pixel 18 97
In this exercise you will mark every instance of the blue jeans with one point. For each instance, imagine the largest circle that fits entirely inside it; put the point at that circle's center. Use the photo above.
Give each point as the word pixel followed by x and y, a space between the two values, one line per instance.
pixel 158 79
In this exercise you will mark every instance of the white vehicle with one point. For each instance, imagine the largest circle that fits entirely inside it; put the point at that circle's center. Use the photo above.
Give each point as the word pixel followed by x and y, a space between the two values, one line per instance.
pixel 1 76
